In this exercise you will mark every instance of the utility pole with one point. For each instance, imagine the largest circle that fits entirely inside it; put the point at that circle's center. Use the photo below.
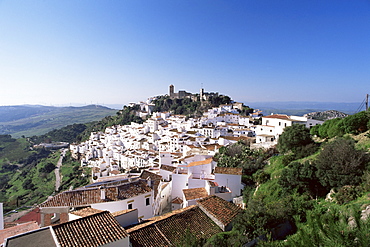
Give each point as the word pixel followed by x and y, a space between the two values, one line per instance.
pixel 367 102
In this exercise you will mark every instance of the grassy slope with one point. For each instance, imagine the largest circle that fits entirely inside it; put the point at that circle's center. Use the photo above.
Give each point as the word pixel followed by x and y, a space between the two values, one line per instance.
pixel 43 184
pixel 270 190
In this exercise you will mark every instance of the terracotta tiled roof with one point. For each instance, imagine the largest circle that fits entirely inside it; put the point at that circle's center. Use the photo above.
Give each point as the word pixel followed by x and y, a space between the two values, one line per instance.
pixel 168 168
pixel 232 138
pixel 87 196
pixel 222 210
pixel 18 229
pixel 155 180
pixel 177 200
pixel 169 229
pixel 212 146
pixel 153 176
pixel 115 172
pixel 115 214
pixel 278 116
pixel 74 198
pixel 199 163
pixel 133 189
pixel 195 193
pixel 94 230
pixel 228 170
pixel 86 212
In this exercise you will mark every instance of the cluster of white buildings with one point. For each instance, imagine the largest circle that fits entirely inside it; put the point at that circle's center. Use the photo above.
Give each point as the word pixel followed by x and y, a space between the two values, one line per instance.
pixel 170 157
pixel 122 148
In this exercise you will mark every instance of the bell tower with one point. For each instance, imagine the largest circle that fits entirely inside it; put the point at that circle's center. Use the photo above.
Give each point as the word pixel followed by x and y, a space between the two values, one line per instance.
pixel 171 90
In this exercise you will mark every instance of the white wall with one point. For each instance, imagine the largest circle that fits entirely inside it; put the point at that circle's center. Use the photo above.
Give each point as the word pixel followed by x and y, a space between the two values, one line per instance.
pixel 73 217
pixel 139 202
pixel 127 219
pixel 125 242
pixel 233 182
pixel 179 182
pixel 196 183
pixel 1 216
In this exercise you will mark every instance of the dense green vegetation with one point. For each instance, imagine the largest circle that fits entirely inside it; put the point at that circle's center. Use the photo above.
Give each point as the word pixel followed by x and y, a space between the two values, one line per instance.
pixel 290 191
pixel 27 175
pixel 187 106
pixel 125 116
pixel 68 134
pixel 353 124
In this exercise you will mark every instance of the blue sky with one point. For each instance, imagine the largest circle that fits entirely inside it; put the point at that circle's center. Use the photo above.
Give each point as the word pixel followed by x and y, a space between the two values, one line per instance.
pixel 116 52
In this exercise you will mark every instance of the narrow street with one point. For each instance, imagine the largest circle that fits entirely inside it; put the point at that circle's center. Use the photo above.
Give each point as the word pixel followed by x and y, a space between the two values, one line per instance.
pixel 57 170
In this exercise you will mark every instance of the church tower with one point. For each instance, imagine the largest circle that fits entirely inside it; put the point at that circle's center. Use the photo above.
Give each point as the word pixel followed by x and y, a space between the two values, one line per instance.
pixel 172 91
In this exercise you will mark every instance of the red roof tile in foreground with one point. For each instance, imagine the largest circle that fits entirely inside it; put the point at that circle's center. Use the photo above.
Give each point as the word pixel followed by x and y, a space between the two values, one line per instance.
pixel 169 229
pixel 222 210
pixel 94 230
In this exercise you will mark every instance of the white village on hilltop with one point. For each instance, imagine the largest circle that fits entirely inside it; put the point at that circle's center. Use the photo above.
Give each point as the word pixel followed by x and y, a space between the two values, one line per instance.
pixel 157 174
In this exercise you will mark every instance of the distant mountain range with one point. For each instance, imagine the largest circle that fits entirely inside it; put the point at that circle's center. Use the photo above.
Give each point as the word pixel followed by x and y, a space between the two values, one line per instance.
pixel 301 108
pixel 29 120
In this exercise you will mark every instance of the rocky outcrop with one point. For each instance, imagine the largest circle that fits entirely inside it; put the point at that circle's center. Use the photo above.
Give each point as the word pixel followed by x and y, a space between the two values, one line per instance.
pixel 325 115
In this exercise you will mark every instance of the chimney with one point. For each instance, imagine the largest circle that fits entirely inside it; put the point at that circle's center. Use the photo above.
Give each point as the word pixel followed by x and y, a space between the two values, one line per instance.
pixel 102 193
pixel 149 181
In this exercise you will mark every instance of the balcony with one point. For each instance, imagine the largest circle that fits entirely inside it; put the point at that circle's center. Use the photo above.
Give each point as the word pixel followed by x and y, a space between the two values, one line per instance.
pixel 202 176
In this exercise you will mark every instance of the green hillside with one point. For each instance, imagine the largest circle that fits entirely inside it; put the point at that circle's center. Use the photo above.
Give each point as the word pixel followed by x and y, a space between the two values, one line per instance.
pixel 37 120
pixel 27 174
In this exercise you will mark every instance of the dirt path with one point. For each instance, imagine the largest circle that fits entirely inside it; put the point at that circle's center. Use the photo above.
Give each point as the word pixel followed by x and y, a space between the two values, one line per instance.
pixel 57 170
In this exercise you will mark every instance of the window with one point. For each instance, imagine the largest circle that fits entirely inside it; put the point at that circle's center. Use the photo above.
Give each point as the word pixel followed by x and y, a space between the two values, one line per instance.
pixel 147 201
pixel 129 206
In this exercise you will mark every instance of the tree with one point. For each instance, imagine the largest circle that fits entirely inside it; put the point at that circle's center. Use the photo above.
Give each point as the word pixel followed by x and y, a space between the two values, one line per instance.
pixel 302 178
pixel 49 167
pixel 357 123
pixel 339 164
pixel 232 238
pixel 27 184
pixel 293 138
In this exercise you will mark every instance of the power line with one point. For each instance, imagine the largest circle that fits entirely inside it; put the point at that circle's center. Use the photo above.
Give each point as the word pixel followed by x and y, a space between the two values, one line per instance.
pixel 365 103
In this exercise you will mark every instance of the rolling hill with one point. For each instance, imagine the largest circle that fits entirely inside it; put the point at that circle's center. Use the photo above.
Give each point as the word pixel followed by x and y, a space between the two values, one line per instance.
pixel 30 120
